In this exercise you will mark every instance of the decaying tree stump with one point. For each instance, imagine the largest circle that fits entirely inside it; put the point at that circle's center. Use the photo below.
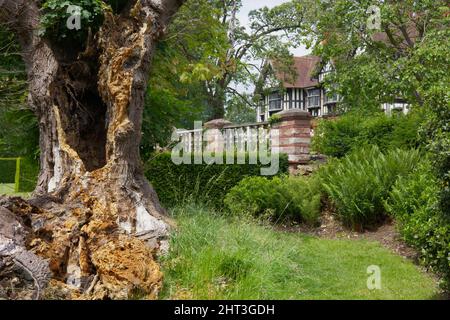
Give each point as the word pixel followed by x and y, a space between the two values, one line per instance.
pixel 94 219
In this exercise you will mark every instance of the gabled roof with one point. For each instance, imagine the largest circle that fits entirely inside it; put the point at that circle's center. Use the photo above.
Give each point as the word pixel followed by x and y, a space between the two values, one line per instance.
pixel 305 67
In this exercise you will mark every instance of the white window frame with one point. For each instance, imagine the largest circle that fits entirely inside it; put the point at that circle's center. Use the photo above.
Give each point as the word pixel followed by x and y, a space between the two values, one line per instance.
pixel 275 98
pixel 316 98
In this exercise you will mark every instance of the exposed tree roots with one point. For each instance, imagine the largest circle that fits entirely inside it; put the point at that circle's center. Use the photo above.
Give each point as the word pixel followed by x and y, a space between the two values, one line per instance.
pixel 80 248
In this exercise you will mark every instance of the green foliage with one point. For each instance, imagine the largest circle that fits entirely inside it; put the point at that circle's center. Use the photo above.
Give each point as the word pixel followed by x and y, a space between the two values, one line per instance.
pixel 55 17
pixel 216 257
pixel 277 198
pixel 274 119
pixel 359 183
pixel 214 52
pixel 177 184
pixel 338 137
pixel 433 56
pixel 409 62
pixel 165 110
pixel 238 112
pixel 370 71
pixel 19 132
pixel 7 171
pixel 29 170
pixel 185 60
pixel 413 202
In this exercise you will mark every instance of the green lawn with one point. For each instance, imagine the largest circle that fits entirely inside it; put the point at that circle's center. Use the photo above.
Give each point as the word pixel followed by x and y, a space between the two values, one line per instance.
pixel 8 189
pixel 215 258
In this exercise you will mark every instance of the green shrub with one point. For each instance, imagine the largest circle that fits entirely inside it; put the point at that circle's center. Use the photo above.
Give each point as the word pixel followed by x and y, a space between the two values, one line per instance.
pixel 7 171
pixel 359 183
pixel 305 195
pixel 176 184
pixel 278 197
pixel 413 202
pixel 338 137
pixel 29 170
pixel 436 135
pixel 405 134
pixel 377 130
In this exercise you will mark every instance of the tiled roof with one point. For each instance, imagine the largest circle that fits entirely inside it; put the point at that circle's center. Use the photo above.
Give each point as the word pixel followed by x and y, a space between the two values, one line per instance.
pixel 305 67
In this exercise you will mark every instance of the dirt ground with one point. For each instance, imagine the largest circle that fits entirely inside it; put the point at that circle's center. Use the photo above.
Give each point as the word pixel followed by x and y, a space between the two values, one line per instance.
pixel 330 228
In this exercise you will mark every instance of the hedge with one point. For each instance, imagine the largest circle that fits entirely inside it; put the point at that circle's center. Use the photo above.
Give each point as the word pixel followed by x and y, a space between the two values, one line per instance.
pixel 7 171
pixel 339 137
pixel 29 171
pixel 413 202
pixel 203 183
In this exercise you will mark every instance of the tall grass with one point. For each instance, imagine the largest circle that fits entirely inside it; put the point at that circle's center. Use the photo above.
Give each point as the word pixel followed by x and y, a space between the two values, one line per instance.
pixel 217 257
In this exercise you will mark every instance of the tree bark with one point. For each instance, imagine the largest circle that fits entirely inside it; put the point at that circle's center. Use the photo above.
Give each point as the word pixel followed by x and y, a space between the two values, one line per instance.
pixel 97 216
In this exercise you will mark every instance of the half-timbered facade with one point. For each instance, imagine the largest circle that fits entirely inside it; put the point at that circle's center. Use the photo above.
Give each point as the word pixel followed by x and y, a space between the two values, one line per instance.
pixel 304 91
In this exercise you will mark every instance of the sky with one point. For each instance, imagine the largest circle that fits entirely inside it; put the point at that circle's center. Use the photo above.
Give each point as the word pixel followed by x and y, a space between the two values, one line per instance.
pixel 249 5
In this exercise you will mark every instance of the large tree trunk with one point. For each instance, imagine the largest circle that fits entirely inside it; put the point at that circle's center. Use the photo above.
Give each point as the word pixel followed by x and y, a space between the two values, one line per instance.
pixel 216 100
pixel 96 219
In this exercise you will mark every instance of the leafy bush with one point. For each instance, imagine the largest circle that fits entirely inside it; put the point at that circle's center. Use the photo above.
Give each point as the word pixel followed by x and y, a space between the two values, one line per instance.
pixel 338 137
pixel 276 198
pixel 203 183
pixel 377 130
pixel 7 171
pixel 359 183
pixel 436 134
pixel 29 170
pixel 413 202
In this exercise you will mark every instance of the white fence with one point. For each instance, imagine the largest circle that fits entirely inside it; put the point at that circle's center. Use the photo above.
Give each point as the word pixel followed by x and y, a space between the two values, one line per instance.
pixel 240 138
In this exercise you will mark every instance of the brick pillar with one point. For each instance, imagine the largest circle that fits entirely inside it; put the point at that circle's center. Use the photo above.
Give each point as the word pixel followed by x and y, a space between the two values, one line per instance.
pixel 294 130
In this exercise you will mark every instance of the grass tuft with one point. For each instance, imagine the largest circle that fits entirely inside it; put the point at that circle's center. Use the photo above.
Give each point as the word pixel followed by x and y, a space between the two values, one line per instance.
pixel 216 257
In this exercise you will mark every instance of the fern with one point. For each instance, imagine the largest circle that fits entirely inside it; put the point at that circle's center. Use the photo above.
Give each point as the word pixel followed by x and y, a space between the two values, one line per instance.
pixel 359 183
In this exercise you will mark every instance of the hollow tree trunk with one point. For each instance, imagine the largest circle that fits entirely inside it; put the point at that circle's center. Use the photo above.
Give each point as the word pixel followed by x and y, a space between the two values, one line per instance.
pixel 96 219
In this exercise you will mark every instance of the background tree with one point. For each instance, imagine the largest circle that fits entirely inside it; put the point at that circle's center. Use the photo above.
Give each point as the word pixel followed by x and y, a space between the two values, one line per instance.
pixel 87 87
pixel 217 54
pixel 406 58
pixel 372 65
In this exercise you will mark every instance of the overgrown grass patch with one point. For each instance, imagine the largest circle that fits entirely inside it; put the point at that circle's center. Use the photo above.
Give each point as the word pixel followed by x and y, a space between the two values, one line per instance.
pixel 214 257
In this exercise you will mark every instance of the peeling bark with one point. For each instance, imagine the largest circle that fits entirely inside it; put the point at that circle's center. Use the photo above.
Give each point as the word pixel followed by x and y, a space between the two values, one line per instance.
pixel 95 217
